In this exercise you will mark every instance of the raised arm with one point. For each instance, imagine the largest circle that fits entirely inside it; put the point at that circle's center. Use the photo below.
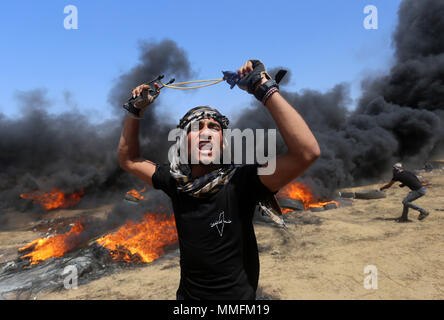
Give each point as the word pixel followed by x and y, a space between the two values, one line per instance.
pixel 303 149
pixel 128 151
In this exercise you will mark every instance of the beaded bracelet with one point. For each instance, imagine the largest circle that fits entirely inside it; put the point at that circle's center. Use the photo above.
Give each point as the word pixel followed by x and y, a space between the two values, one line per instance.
pixel 268 94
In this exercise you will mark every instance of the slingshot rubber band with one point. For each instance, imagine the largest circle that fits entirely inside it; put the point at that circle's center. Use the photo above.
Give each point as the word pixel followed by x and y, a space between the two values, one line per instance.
pixel 177 85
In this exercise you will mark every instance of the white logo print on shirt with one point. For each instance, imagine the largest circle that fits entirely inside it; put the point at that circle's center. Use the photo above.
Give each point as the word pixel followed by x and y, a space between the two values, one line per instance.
pixel 219 224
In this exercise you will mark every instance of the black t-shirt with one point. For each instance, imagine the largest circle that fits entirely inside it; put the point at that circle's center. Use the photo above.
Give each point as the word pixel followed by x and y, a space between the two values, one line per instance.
pixel 218 249
pixel 407 178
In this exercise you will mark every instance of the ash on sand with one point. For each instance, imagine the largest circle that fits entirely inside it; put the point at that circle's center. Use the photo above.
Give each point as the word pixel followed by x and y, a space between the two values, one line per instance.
pixel 301 218
pixel 20 280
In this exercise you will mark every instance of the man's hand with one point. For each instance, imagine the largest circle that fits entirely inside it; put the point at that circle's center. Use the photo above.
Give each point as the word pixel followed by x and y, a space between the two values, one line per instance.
pixel 252 75
pixel 142 97
pixel 143 87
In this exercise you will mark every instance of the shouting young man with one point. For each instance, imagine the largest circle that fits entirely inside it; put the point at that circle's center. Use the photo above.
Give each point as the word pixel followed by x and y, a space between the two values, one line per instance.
pixel 417 190
pixel 214 203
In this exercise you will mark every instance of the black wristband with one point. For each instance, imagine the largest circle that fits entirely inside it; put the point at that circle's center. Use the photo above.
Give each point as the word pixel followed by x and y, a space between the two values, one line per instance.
pixel 262 91
pixel 132 110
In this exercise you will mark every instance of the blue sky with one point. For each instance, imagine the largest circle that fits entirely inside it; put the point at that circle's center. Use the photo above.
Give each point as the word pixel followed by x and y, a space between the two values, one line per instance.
pixel 322 42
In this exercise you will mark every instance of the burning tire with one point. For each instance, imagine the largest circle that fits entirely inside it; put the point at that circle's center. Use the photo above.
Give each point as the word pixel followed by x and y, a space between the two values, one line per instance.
pixel 370 194
pixel 291 204
pixel 330 206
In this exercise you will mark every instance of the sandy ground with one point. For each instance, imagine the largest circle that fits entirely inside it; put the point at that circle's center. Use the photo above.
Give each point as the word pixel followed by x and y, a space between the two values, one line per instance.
pixel 311 261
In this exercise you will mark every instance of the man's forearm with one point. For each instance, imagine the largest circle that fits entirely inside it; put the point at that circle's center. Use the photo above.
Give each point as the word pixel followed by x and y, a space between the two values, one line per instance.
pixel 297 135
pixel 129 141
pixel 388 185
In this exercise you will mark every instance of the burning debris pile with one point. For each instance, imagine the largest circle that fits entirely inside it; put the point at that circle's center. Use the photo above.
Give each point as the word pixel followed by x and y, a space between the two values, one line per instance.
pixel 134 195
pixel 144 242
pixel 42 261
pixel 53 247
pixel 303 199
pixel 55 199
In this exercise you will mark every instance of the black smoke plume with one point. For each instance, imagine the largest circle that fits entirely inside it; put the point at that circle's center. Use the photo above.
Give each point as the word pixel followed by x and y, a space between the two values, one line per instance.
pixel 41 151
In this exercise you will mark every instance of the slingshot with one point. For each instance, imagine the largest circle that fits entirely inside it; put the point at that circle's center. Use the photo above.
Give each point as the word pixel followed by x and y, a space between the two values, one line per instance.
pixel 232 78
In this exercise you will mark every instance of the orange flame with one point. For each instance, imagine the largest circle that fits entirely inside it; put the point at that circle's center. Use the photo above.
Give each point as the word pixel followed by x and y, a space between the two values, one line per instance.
pixel 144 241
pixel 54 199
pixel 137 194
pixel 285 210
pixel 300 191
pixel 57 246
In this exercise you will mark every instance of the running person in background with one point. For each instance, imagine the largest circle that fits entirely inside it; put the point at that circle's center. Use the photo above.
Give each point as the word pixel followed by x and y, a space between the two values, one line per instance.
pixel 214 203
pixel 410 180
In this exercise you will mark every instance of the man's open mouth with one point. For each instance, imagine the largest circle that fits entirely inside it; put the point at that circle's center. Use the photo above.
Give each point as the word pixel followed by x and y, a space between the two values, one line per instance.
pixel 205 146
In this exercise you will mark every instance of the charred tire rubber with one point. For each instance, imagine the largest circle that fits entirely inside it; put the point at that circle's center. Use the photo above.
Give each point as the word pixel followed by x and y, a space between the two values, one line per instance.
pixel 370 194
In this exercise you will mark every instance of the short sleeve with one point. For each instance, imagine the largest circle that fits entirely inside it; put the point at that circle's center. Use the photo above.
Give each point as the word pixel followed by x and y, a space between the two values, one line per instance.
pixel 163 180
pixel 248 183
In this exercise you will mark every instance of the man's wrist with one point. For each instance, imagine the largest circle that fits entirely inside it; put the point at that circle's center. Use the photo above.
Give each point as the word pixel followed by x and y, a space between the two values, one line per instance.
pixel 265 90
pixel 134 117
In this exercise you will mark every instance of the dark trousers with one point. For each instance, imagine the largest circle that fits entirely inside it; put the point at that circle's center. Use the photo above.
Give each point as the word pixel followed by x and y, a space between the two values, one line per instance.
pixel 408 201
